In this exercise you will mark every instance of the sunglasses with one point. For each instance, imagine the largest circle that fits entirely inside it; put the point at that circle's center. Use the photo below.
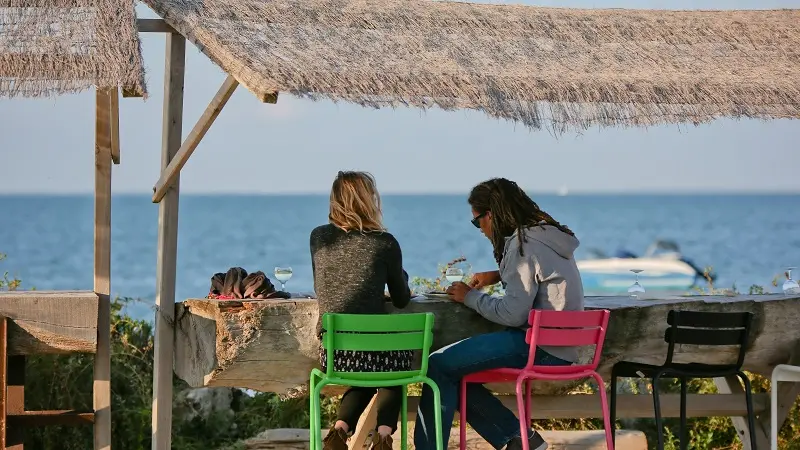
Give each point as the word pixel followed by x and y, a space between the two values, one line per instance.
pixel 477 220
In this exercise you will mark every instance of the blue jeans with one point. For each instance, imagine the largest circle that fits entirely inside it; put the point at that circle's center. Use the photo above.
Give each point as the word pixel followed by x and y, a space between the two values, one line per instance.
pixel 485 413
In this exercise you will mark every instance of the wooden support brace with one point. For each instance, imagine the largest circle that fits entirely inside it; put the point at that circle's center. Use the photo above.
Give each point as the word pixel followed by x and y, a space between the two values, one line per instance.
pixel 732 385
pixel 104 147
pixel 167 245
pixel 170 174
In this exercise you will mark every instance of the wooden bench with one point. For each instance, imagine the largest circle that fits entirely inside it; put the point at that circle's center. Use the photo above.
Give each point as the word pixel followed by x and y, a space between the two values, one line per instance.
pixel 297 439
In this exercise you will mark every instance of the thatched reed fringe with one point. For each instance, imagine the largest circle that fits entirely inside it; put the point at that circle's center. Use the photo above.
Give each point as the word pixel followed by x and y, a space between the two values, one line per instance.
pixel 51 47
pixel 569 68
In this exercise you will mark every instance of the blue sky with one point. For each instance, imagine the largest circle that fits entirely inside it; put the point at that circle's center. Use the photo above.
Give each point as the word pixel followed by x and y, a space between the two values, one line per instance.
pixel 46 145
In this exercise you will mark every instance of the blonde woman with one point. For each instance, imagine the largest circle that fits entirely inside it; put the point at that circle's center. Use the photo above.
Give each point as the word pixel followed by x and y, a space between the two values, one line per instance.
pixel 354 259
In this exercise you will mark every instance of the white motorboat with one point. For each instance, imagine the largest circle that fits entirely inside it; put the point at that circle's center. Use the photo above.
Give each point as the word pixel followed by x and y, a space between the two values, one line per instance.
pixel 663 268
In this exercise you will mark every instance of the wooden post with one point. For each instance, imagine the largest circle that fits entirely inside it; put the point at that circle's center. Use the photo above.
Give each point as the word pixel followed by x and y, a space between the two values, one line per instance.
pixel 15 397
pixel 167 245
pixel 114 117
pixel 3 380
pixel 102 268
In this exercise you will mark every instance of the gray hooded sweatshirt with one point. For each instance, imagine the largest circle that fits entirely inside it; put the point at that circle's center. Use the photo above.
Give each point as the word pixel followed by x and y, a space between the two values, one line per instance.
pixel 546 277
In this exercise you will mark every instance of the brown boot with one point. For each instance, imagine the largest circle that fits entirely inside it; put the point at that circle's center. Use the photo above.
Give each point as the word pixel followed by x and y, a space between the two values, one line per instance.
pixel 381 442
pixel 335 440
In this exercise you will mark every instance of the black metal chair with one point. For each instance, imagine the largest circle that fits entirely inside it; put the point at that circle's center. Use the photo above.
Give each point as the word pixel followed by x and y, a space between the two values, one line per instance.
pixel 692 328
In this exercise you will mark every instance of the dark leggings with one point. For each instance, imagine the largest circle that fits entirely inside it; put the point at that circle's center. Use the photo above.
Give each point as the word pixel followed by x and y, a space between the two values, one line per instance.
pixel 356 400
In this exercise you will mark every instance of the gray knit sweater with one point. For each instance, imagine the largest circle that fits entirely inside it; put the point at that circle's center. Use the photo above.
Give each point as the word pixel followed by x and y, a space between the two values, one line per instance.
pixel 352 269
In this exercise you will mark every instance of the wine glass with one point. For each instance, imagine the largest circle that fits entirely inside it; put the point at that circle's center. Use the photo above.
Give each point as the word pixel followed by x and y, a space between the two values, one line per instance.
pixel 636 288
pixel 790 287
pixel 283 274
pixel 454 274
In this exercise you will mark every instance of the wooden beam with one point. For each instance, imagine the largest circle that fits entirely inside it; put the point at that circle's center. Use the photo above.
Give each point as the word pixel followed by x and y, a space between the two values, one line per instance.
pixel 33 419
pixel 154 26
pixel 170 174
pixel 39 322
pixel 167 245
pixel 114 111
pixel 271 97
pixel 582 406
pixel 104 148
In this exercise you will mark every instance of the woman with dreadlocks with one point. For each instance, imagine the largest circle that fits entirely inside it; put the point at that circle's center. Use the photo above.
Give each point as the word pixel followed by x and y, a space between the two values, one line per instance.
pixel 538 269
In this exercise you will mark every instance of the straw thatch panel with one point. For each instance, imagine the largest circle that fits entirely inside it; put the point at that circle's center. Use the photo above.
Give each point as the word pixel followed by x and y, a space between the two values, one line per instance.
pixel 50 47
pixel 568 67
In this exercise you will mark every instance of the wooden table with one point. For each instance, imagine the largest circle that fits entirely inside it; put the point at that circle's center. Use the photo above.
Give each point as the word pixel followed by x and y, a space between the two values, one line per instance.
pixel 271 346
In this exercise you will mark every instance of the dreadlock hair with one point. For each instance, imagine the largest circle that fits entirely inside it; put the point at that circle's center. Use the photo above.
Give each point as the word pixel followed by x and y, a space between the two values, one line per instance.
pixel 512 210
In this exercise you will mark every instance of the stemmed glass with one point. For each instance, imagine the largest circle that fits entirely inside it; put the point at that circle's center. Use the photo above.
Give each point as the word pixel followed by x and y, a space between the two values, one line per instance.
pixel 790 287
pixel 453 274
pixel 283 274
pixel 636 288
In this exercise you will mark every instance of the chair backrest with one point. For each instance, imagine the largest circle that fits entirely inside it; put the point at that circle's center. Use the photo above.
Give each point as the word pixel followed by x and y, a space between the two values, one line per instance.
pixel 708 328
pixel 377 332
pixel 568 329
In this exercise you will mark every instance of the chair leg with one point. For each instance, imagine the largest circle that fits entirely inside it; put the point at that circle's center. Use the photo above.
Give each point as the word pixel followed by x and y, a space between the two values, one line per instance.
pixel 528 402
pixel 773 394
pixel 462 418
pixel 612 408
pixel 657 410
pixel 437 413
pixel 404 420
pixel 317 431
pixel 313 415
pixel 684 438
pixel 601 388
pixel 523 414
pixel 751 419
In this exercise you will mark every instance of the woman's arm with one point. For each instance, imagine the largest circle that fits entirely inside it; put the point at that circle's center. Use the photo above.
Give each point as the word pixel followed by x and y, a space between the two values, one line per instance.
pixel 397 279
pixel 513 308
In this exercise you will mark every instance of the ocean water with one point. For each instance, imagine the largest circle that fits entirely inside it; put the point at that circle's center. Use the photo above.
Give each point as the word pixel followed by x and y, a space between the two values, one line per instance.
pixel 748 239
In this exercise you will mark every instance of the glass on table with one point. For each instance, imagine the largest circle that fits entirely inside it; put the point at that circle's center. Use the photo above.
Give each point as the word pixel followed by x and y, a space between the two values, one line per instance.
pixel 283 274
pixel 454 274
pixel 636 288
pixel 790 286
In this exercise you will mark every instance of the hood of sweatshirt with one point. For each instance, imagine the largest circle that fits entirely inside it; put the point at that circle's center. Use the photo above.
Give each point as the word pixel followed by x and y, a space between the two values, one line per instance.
pixel 561 243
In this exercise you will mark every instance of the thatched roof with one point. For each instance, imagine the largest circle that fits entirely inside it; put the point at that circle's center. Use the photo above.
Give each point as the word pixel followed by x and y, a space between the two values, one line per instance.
pixel 50 47
pixel 568 67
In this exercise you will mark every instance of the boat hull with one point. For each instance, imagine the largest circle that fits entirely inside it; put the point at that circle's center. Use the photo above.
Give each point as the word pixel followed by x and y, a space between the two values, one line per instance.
pixel 613 275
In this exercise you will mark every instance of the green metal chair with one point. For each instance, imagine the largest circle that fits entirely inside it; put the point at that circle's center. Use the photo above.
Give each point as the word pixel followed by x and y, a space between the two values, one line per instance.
pixel 375 332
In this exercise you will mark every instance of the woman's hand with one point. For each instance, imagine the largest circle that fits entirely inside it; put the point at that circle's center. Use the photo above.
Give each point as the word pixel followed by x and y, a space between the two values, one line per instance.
pixel 482 279
pixel 457 291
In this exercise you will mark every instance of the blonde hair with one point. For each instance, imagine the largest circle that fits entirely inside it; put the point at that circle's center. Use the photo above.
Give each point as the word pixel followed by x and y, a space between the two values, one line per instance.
pixel 355 202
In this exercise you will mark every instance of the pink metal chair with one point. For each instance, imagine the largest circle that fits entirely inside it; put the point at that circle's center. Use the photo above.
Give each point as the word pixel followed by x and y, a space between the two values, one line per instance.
pixel 549 328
